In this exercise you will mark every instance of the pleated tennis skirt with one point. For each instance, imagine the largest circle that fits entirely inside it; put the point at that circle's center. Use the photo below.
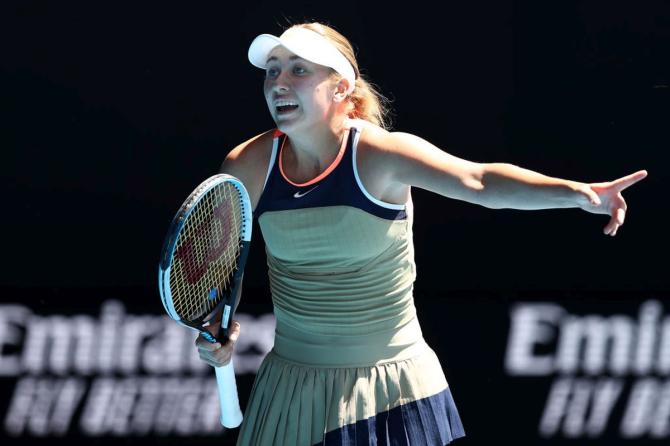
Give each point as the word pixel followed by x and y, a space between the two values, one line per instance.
pixel 402 401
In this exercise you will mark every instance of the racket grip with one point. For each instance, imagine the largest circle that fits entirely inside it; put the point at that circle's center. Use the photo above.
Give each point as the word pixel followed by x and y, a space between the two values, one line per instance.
pixel 231 415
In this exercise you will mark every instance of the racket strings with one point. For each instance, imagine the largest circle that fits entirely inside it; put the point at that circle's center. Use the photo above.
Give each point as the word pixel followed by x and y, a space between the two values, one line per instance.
pixel 207 252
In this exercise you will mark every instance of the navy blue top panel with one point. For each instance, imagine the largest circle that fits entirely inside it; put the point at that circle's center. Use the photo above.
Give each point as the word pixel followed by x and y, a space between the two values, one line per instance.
pixel 339 188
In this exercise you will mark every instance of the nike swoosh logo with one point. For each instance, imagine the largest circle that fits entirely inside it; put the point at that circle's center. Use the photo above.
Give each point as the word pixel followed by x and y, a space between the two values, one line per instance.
pixel 302 194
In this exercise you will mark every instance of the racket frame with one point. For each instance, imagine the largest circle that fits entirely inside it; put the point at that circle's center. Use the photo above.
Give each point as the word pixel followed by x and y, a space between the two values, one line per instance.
pixel 170 244
pixel 231 415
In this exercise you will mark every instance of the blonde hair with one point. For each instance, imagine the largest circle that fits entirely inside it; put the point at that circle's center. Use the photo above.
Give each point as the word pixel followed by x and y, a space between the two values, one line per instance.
pixel 368 103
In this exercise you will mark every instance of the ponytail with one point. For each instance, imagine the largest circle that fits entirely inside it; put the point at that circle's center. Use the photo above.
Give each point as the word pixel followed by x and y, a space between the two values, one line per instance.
pixel 369 104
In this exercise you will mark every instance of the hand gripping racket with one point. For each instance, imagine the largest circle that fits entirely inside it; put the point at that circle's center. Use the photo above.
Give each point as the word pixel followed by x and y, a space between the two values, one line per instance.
pixel 201 269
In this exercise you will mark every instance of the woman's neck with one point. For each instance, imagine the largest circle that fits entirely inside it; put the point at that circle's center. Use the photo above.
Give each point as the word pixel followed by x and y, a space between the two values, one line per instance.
pixel 317 145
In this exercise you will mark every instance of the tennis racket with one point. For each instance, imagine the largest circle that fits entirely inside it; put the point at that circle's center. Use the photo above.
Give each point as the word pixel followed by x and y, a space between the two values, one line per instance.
pixel 201 269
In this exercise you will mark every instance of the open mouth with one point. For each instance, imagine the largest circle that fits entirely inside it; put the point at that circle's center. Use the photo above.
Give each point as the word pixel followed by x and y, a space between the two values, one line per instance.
pixel 285 106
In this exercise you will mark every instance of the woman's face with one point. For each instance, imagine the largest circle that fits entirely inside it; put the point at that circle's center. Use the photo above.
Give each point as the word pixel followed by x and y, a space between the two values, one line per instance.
pixel 298 92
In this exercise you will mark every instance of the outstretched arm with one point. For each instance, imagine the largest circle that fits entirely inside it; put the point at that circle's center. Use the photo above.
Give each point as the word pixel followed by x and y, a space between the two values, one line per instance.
pixel 416 162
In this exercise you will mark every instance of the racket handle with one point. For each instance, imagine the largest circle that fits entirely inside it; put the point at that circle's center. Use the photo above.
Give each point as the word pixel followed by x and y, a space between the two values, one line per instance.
pixel 231 415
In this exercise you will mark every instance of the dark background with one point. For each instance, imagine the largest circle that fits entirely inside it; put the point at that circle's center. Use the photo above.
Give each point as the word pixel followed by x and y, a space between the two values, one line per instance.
pixel 113 112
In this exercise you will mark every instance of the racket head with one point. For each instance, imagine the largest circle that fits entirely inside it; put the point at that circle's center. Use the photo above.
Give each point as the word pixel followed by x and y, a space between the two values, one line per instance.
pixel 204 250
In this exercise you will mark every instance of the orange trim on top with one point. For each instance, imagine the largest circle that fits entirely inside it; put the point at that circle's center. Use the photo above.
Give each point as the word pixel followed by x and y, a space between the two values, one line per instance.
pixel 323 174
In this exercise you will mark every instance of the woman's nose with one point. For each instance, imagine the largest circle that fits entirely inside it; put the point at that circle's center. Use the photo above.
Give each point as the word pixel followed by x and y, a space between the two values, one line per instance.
pixel 281 84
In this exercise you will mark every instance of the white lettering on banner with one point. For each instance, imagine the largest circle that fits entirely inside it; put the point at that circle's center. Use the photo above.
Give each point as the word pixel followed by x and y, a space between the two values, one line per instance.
pixel 11 317
pixel 532 325
pixel 584 405
pixel 68 371
pixel 116 343
pixel 589 344
pixel 140 406
pixel 43 406
pixel 591 354
pixel 648 410
pixel 127 406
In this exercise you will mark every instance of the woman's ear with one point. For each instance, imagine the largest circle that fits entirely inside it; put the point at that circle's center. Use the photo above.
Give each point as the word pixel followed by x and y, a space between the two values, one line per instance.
pixel 341 88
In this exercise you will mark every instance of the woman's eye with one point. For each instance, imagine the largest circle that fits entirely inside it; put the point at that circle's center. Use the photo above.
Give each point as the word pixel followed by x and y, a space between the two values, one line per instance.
pixel 299 70
pixel 272 72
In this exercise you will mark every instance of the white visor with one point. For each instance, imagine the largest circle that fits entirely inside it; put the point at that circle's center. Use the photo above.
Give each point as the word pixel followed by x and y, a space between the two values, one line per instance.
pixel 307 44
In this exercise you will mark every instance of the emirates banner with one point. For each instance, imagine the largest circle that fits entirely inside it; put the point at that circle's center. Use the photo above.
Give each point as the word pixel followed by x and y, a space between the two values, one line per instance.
pixel 113 372
pixel 604 372
pixel 558 374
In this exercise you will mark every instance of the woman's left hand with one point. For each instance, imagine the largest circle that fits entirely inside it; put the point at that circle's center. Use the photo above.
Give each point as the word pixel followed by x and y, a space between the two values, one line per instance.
pixel 606 198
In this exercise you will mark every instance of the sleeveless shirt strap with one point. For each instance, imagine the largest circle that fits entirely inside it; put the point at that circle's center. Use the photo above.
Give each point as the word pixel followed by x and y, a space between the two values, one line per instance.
pixel 275 146
pixel 355 136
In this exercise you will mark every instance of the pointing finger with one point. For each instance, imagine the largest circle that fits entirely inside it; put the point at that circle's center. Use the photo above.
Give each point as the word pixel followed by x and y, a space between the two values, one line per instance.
pixel 627 181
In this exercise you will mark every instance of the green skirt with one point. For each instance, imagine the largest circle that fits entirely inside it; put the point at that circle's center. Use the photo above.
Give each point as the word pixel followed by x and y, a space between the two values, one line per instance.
pixel 400 397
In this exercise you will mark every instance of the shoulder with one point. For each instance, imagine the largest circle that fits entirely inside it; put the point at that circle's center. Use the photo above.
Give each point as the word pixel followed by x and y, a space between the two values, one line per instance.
pixel 246 155
pixel 249 163
pixel 382 149
pixel 377 157
pixel 380 143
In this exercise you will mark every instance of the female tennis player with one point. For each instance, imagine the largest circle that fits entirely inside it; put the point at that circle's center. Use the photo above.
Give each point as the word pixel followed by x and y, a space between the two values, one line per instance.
pixel 331 191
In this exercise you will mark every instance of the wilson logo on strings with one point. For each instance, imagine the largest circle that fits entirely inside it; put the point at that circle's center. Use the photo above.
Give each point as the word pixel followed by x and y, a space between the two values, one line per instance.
pixel 217 239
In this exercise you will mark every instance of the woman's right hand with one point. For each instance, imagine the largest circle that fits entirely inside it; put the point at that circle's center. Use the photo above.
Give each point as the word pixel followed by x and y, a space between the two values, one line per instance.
pixel 216 354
